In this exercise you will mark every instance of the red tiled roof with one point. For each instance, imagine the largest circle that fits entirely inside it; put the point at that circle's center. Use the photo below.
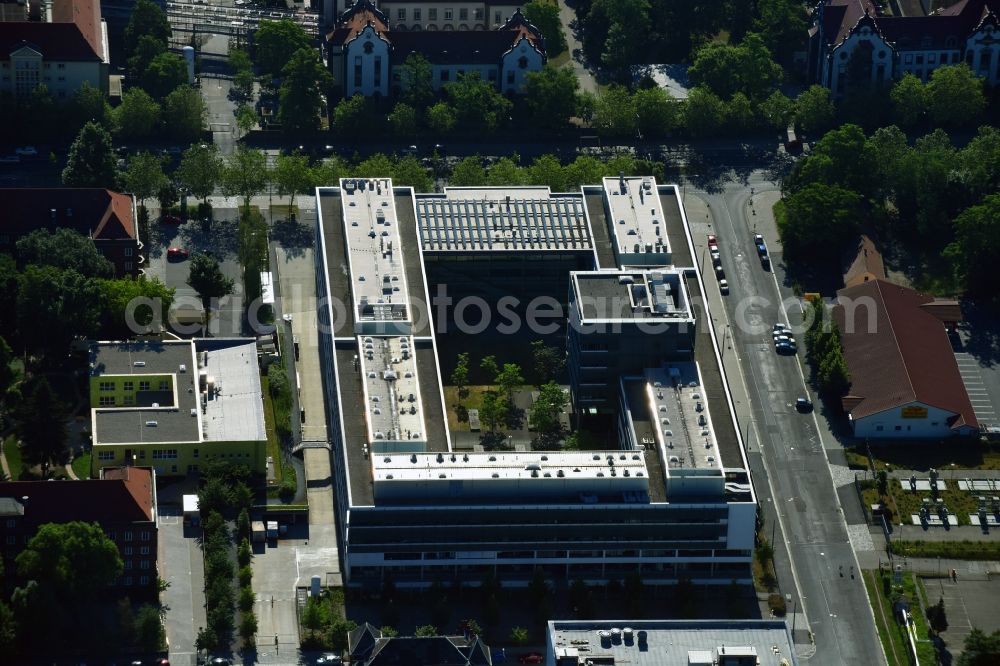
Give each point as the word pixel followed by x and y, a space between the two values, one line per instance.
pixel 867 260
pixel 114 500
pixel 99 213
pixel 56 41
pixel 905 358
pixel 86 14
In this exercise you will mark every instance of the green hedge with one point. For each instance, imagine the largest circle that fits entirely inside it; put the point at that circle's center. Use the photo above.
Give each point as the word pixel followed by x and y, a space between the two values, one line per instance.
pixel 956 550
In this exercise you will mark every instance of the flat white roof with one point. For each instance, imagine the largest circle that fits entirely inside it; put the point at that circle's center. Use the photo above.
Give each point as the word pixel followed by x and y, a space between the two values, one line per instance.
pixel 234 412
pixel 678 410
pixel 510 465
pixel 502 218
pixel 393 407
pixel 374 250
pixel 636 217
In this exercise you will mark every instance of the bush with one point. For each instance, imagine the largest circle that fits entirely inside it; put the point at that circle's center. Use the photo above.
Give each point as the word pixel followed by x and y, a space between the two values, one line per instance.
pixel 244 554
pixel 247 599
pixel 246 576
pixel 776 603
pixel 248 628
pixel 286 493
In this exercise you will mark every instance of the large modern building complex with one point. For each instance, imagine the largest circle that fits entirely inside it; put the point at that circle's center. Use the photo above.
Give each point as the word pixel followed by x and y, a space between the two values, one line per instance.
pixel 171 405
pixel 668 497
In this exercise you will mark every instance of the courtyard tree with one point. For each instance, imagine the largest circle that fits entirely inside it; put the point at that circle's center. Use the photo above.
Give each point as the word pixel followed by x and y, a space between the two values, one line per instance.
pixel 292 175
pixel 546 413
pixel 403 120
pixel 91 161
pixel 40 424
pixel 551 94
pixel 955 95
pixel 74 560
pixel 138 116
pixel 185 112
pixel 275 42
pixel 164 74
pixel 478 104
pixel 460 375
pixel 64 248
pixel 441 118
pixel 814 110
pixel 304 80
pixel 207 280
pixel 144 176
pixel 416 78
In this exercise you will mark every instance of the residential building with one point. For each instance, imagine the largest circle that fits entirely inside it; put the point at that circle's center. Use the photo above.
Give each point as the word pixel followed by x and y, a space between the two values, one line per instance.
pixel 173 404
pixel 866 264
pixel 662 642
pixel 853 39
pixel 420 504
pixel 122 501
pixel 109 218
pixel 369 646
pixel 364 55
pixel 905 381
pixel 436 14
pixel 65 47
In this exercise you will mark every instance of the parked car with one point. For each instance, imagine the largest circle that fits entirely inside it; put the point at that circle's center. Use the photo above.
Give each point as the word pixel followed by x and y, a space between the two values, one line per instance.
pixel 719 273
pixel 171 219
pixel 177 253
pixel 713 241
pixel 26 151
pixel 724 287
pixel 329 660
pixel 786 348
pixel 531 658
pixel 803 405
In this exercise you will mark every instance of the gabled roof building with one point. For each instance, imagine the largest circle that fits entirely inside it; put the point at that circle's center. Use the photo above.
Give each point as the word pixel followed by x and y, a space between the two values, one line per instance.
pixel 850 38
pixel 364 54
pixel 109 218
pixel 905 381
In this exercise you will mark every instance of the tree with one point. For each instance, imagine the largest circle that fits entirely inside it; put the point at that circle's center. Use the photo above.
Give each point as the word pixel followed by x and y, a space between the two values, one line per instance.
pixel 777 110
pixel 493 410
pixel 509 379
pixel 146 49
pixel 8 629
pixel 149 633
pixel 489 367
pixel 704 112
pixel 64 248
pixel 200 170
pixel 7 378
pixel 54 306
pixel 834 378
pixel 91 105
pixel 460 375
pixel 545 16
pixel 292 175
pixel 351 115
pixel 409 171
pixel 138 116
pixel 304 79
pixel 551 93
pixel 416 78
pixel 955 95
pixel 615 112
pixel 40 423
pixel 275 43
pixel 206 639
pixel 910 100
pixel 740 113
pixel 975 252
pixel 207 280
pixel 75 560
pixel 505 171
pixel 315 614
pixel 477 103
pixel 783 26
pixel 548 362
pixel 882 483
pixel 441 118
pixel 814 109
pixel 185 112
pixel 165 73
pixel 146 19
pixel 91 161
pixel 519 635
pixel 118 295
pixel 980 649
pixel 246 118
pixel 403 120
pixel 656 112
pixel 426 631
pixel 248 627
pixel 245 173
pixel 547 170
pixel 144 176
pixel 817 222
pixel 548 407
pixel 726 69
pixel 468 172
pixel 243 78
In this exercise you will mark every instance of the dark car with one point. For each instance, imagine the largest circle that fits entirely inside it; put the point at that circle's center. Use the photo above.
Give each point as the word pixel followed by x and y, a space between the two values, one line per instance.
pixel 785 348
pixel 531 658
pixel 171 219
pixel 177 254
pixel 803 405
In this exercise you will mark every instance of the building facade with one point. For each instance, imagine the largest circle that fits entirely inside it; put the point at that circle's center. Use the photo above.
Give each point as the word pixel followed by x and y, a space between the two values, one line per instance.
pixel 849 40
pixel 172 405
pixel 122 501
pixel 364 55
pixel 62 46
pixel 418 504
pixel 108 218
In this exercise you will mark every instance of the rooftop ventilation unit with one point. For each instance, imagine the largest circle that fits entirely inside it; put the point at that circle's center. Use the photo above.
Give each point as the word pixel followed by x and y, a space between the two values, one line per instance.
pixel 151 424
pixel 139 364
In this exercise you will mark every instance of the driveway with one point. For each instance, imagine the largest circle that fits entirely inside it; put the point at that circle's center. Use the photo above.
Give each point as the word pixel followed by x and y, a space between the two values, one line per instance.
pixel 586 78
pixel 181 564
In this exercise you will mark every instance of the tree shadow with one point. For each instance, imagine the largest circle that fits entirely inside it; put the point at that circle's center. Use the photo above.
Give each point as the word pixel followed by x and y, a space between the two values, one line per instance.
pixel 293 236
pixel 983 327
pixel 219 236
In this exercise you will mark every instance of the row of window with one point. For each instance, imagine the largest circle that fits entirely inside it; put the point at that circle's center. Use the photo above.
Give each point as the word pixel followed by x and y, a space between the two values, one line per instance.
pixel 127 580
pixel 28 64
pixel 449 14
pixel 165 454
pixel 144 535
pixel 128 387
pixel 918 58
pixel 144 564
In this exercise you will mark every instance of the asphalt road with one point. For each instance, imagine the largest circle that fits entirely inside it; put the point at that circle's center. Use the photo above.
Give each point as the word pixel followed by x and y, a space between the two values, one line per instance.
pixel 798 475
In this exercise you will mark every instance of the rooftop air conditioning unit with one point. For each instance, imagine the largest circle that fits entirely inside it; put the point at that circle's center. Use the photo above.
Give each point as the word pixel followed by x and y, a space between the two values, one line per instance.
pixel 151 424
pixel 139 364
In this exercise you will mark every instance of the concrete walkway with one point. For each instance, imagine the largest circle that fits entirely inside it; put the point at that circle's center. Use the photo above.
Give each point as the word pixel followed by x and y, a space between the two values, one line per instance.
pixel 586 77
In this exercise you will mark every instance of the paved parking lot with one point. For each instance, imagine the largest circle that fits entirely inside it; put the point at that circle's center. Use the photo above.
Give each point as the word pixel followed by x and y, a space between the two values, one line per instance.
pixel 181 565
pixel 982 380
pixel 968 604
